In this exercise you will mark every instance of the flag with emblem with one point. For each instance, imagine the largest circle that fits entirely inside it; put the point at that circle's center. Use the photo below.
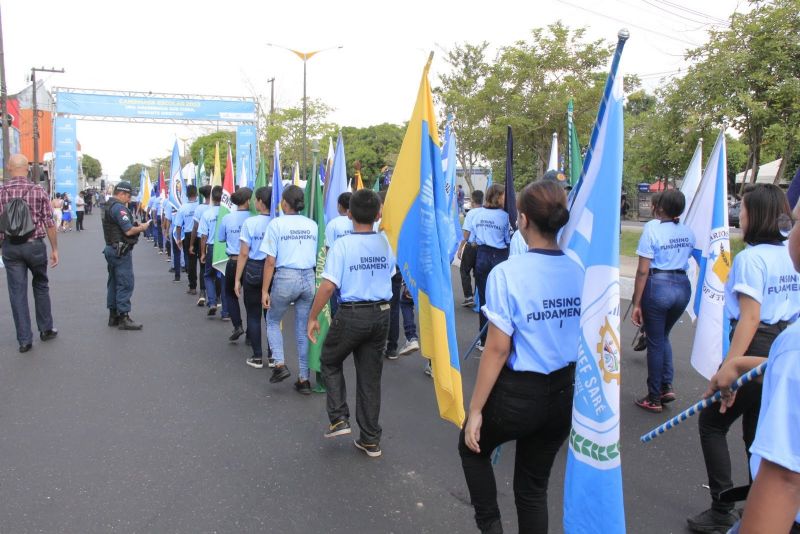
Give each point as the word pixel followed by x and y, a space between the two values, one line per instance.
pixel 220 257
pixel 593 500
pixel 177 187
pixel 316 212
pixel 711 261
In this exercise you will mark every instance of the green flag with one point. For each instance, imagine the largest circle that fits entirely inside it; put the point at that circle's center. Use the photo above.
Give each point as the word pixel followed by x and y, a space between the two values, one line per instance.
pixel 316 210
pixel 261 181
pixel 574 149
pixel 220 258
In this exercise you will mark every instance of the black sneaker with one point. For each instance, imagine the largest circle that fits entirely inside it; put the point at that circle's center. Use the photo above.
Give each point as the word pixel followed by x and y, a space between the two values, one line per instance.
pixel 254 362
pixel 279 374
pixel 641 341
pixel 212 311
pixel 646 403
pixel 126 323
pixel 271 363
pixel 667 394
pixel 338 428
pixel 373 450
pixel 113 318
pixel 303 387
pixel 176 280
pixel 391 355
pixel 237 333
pixel 712 521
pixel 47 335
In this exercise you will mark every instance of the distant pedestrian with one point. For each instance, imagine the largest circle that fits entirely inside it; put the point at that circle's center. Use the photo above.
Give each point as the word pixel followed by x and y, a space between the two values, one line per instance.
pixel 460 199
pixel 29 253
pixel 80 208
pixel 56 205
pixel 469 250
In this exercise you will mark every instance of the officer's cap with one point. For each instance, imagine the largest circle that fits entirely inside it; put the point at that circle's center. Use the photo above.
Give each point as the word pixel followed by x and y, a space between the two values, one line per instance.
pixel 123 187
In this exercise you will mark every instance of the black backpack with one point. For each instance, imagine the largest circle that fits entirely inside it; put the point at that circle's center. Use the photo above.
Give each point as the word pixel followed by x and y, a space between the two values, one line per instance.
pixel 16 221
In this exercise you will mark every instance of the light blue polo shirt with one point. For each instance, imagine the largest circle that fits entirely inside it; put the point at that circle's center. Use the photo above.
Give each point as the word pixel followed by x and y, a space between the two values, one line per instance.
pixel 540 313
pixel 490 227
pixel 361 266
pixel 518 244
pixel 764 273
pixel 336 228
pixel 779 418
pixel 469 221
pixel 666 244
pixel 198 213
pixel 252 234
pixel 208 223
pixel 230 229
pixel 185 217
pixel 292 241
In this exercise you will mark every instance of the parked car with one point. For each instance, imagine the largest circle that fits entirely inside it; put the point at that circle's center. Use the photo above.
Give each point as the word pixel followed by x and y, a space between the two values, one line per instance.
pixel 733 213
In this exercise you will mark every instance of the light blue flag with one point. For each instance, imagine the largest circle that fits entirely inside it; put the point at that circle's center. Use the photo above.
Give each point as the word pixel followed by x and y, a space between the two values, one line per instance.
pixel 277 183
pixel 711 262
pixel 449 163
pixel 177 187
pixel 140 194
pixel 489 180
pixel 251 179
pixel 337 182
pixel 593 500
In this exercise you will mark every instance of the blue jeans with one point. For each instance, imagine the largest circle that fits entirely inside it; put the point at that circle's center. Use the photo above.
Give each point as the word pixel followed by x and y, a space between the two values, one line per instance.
pixel 214 282
pixel 400 304
pixel 19 259
pixel 663 302
pixel 485 260
pixel 291 285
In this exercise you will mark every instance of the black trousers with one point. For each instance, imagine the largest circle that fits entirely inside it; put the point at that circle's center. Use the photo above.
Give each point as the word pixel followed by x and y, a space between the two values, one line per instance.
pixel 191 262
pixel 714 426
pixel 230 294
pixel 79 221
pixel 363 332
pixel 256 314
pixel 535 410
pixel 486 258
pixel 467 269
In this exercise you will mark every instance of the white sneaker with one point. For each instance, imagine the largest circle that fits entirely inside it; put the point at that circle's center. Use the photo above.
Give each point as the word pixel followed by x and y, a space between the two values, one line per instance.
pixel 479 346
pixel 410 346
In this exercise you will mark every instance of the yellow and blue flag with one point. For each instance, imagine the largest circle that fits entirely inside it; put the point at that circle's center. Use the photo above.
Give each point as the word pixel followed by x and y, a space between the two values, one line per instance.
pixel 415 219
pixel 593 500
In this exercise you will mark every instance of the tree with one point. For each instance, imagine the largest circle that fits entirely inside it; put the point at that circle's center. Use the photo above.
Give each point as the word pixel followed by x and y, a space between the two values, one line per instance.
pixel 208 144
pixel 91 167
pixel 374 146
pixel 286 126
pixel 132 174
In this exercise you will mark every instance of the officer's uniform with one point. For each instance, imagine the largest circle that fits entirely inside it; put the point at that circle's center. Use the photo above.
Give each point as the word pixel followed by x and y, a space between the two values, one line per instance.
pixel 117 220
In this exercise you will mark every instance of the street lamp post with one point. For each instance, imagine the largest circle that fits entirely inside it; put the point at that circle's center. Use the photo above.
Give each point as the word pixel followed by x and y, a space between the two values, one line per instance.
pixel 304 56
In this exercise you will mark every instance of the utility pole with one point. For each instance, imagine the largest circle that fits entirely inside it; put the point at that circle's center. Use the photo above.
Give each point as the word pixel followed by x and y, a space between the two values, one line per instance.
pixel 271 83
pixel 35 170
pixel 4 103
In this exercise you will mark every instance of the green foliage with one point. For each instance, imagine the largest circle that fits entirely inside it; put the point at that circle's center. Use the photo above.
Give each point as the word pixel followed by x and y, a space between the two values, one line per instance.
pixel 374 146
pixel 286 126
pixel 208 143
pixel 91 167
pixel 132 174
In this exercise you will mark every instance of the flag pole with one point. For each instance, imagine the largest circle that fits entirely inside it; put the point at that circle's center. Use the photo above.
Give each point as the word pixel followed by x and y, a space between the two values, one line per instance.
pixel 703 404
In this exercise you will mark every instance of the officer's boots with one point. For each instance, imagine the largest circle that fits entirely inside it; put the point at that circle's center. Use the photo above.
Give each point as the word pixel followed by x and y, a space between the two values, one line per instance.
pixel 113 317
pixel 126 323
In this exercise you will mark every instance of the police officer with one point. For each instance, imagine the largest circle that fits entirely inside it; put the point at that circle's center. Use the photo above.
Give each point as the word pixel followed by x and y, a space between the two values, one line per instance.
pixel 120 235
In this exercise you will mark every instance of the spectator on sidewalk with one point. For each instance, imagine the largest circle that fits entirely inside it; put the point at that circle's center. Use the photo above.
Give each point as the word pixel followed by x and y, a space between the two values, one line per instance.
pixel 80 207
pixel 29 253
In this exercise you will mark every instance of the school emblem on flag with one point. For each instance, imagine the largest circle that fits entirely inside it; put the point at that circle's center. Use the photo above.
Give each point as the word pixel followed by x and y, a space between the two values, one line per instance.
pixel 714 286
pixel 608 352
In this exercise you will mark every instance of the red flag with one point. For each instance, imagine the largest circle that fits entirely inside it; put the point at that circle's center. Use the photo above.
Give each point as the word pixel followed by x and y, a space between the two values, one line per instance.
pixel 162 188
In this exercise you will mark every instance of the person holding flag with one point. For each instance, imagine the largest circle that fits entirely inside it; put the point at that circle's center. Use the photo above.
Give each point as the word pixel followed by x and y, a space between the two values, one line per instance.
pixel 194 240
pixel 205 230
pixel 493 235
pixel 360 265
pixel 524 387
pixel 250 273
pixel 761 300
pixel 184 223
pixel 661 292
pixel 228 232
pixel 291 248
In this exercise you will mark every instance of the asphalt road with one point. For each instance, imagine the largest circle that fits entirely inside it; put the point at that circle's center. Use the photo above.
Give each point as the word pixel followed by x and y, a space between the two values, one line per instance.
pixel 167 430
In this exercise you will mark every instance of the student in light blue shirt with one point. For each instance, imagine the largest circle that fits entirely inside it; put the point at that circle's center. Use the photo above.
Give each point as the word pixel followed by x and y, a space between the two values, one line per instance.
pixel 518 244
pixel 524 388
pixel 361 265
pixel 230 227
pixel 341 225
pixel 491 228
pixel 467 252
pixel 661 292
pixel 194 242
pixel 250 274
pixel 205 230
pixel 761 297
pixel 184 222
pixel 291 248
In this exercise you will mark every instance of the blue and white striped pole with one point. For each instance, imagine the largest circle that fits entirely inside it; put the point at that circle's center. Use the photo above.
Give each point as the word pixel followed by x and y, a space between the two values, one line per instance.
pixel 703 404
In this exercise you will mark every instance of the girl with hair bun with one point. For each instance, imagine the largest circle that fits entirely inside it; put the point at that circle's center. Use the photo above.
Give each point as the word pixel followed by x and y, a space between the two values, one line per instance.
pixel 661 292
pixel 291 248
pixel 524 387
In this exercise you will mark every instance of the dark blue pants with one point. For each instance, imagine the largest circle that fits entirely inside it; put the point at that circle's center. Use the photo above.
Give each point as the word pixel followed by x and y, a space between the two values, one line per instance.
pixel 400 303
pixel 19 259
pixel 176 257
pixel 214 281
pixel 664 299
pixel 485 260
pixel 256 314
pixel 120 280
pixel 157 238
pixel 229 296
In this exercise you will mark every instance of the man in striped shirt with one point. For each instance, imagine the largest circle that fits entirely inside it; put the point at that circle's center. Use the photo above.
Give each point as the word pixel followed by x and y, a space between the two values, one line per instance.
pixel 30 255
